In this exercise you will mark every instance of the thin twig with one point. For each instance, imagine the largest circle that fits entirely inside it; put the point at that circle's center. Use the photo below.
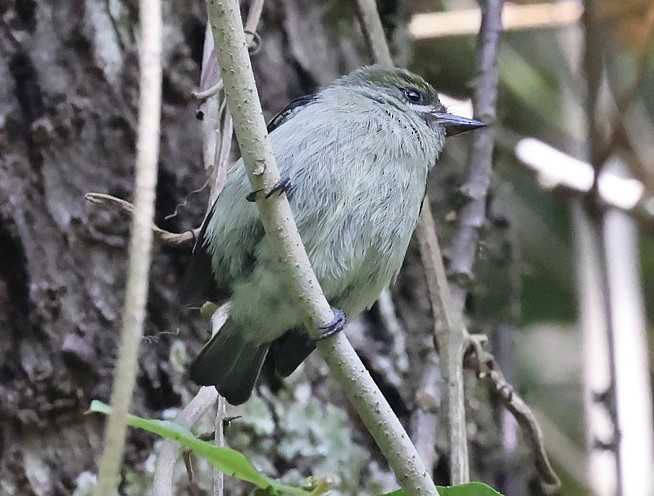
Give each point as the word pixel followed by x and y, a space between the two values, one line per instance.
pixel 593 66
pixel 445 320
pixel 373 31
pixel 209 92
pixel 136 292
pixel 218 320
pixel 471 219
pixel 219 172
pixel 160 235
pixel 219 428
pixel 473 215
pixel 489 371
pixel 451 337
pixel 212 108
pixel 165 467
pixel 201 402
pixel 565 452
pixel 529 426
pixel 285 240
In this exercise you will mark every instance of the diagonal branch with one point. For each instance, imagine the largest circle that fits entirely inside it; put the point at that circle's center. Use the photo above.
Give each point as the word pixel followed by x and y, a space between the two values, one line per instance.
pixel 449 330
pixel 488 371
pixel 277 218
pixel 466 238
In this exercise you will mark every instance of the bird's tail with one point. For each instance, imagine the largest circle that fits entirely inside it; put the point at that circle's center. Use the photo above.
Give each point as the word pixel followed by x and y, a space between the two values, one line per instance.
pixel 230 363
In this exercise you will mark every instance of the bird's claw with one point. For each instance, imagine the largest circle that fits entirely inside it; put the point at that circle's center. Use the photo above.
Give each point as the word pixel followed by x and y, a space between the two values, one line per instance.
pixel 284 185
pixel 252 196
pixel 334 326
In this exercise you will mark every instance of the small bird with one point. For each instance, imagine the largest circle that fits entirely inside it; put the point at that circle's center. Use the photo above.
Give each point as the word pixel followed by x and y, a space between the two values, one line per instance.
pixel 354 160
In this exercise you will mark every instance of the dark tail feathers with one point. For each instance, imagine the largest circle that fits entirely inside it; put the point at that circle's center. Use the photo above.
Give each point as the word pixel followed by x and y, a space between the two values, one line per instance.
pixel 230 363
pixel 289 351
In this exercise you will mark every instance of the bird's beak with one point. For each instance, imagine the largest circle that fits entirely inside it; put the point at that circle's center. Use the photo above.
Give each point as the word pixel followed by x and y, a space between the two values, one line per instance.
pixel 455 124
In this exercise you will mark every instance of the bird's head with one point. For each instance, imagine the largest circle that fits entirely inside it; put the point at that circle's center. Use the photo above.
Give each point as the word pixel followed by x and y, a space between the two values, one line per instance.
pixel 407 92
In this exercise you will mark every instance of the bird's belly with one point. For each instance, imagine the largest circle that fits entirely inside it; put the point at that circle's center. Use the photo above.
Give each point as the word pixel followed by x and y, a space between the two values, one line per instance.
pixel 364 256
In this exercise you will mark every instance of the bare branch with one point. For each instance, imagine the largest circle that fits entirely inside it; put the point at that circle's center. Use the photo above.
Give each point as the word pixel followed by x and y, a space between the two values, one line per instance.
pixel 218 320
pixel 165 467
pixel 529 425
pixel 448 300
pixel 444 320
pixel 451 338
pixel 219 428
pixel 136 293
pixel 160 235
pixel 489 371
pixel 252 22
pixel 374 32
pixel 592 66
pixel 480 161
pixel 201 402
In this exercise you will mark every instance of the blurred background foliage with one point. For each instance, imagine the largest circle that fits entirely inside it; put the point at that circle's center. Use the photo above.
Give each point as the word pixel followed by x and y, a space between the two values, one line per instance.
pixel 525 269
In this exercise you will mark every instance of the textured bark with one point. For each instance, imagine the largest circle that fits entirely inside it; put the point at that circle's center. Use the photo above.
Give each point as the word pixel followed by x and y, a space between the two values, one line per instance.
pixel 68 127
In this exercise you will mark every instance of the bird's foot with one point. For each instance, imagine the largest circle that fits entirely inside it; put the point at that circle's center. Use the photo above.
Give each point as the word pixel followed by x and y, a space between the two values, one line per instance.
pixel 252 195
pixel 335 326
pixel 284 185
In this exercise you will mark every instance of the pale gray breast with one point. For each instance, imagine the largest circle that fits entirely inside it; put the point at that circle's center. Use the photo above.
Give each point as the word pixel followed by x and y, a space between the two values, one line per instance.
pixel 358 178
pixel 358 228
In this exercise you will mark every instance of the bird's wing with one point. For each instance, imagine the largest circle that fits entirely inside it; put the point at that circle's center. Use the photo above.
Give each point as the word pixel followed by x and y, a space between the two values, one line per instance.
pixel 199 273
pixel 290 110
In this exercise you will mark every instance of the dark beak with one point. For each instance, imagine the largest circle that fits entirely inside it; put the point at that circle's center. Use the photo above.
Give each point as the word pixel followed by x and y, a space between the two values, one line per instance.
pixel 455 124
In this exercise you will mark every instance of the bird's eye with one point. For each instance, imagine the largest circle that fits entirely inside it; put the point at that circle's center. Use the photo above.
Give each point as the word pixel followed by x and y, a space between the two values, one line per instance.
pixel 414 96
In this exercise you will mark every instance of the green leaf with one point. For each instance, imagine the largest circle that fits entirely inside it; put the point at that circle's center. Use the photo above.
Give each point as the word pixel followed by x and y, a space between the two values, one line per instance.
pixel 469 489
pixel 227 460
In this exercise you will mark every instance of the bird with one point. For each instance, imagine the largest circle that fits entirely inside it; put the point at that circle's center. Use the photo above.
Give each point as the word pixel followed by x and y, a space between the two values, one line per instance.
pixel 354 160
